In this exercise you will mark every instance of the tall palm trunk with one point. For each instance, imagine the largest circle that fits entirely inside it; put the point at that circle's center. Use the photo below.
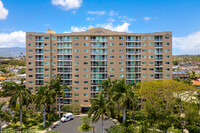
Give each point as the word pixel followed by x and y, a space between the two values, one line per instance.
pixel 20 117
pixel 44 115
pixel 59 105
pixel 102 123
pixel 124 114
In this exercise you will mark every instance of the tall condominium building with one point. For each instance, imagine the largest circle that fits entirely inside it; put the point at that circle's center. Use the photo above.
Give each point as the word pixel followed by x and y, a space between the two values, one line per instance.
pixel 85 59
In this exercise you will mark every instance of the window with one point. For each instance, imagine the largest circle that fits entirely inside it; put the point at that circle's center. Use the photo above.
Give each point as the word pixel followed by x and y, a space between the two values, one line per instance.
pixel 121 50
pixel 85 56
pixel 76 88
pixel 76 82
pixel 111 75
pixel 85 94
pixel 30 38
pixel 167 37
pixel 167 63
pixel 46 57
pixel 53 56
pixel 121 57
pixel 150 50
pixel 144 44
pixel 30 69
pixel 30 75
pixel 167 50
pixel 112 63
pixel 53 75
pixel 85 63
pixel 111 38
pixel 76 63
pixel 53 38
pixel 144 69
pixel 76 50
pixel 30 63
pixel 121 44
pixel 30 50
pixel 144 63
pixel 30 44
pixel 112 44
pixel 85 82
pixel 121 76
pixel 53 63
pixel 46 37
pixel 112 69
pixel 46 50
pixel 30 82
pixel 151 75
pixel 47 76
pixel 150 56
pixel 150 63
pixel 53 69
pixel 121 63
pixel 121 37
pixel 85 69
pixel 150 37
pixel 46 44
pixel 85 44
pixel 111 56
pixel 121 69
pixel 167 69
pixel 30 88
pixel 167 75
pixel 144 75
pixel 76 69
pixel 85 101
pixel 53 51
pixel 76 38
pixel 167 56
pixel 143 56
pixel 85 50
pixel 76 76
pixel 150 69
pixel 144 50
pixel 85 88
pixel 76 94
pixel 46 63
pixel 111 50
pixel 167 44
pixel 30 57
pixel 75 44
pixel 46 69
pixel 76 57
pixel 86 38
pixel 76 101
pixel 150 44
pixel 53 44
pixel 144 38
pixel 85 76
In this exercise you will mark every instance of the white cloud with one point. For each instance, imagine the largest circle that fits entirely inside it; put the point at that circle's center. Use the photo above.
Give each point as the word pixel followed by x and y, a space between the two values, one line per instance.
pixel 189 44
pixel 96 12
pixel 147 18
pixel 3 11
pixel 13 39
pixel 111 20
pixel 90 19
pixel 112 13
pixel 119 28
pixel 78 29
pixel 73 12
pixel 67 4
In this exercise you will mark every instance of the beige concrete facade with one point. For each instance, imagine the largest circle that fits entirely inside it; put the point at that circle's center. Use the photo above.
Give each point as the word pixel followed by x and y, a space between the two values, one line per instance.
pixel 85 59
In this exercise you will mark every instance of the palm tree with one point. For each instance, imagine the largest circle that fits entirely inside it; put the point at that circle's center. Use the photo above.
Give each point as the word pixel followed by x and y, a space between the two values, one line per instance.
pixel 21 95
pixel 5 115
pixel 55 84
pixel 99 107
pixel 107 87
pixel 123 94
pixel 44 96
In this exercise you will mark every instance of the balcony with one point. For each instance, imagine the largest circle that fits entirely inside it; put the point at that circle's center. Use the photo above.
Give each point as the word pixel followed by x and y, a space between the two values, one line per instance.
pixel 158 52
pixel 39 59
pixel 158 58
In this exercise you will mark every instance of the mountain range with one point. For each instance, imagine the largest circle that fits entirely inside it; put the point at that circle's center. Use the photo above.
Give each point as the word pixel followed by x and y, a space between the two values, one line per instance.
pixel 12 52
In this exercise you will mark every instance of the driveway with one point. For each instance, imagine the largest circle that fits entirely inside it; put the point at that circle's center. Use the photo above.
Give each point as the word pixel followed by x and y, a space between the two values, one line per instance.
pixel 72 126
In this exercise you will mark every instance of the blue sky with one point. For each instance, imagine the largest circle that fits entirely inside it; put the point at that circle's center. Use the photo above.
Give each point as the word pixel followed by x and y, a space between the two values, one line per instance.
pixel 182 17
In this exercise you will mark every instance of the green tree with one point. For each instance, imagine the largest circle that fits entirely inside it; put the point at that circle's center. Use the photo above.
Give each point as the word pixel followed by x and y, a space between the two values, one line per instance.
pixel 59 89
pixel 44 96
pixel 5 115
pixel 23 71
pixel 21 95
pixel 99 107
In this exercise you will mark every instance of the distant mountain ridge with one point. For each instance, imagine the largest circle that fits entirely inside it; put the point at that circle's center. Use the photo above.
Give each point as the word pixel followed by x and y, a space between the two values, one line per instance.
pixel 12 52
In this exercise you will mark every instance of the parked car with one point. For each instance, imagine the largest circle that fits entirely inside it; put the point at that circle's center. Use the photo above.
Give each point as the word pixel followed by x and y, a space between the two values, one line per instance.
pixel 67 117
